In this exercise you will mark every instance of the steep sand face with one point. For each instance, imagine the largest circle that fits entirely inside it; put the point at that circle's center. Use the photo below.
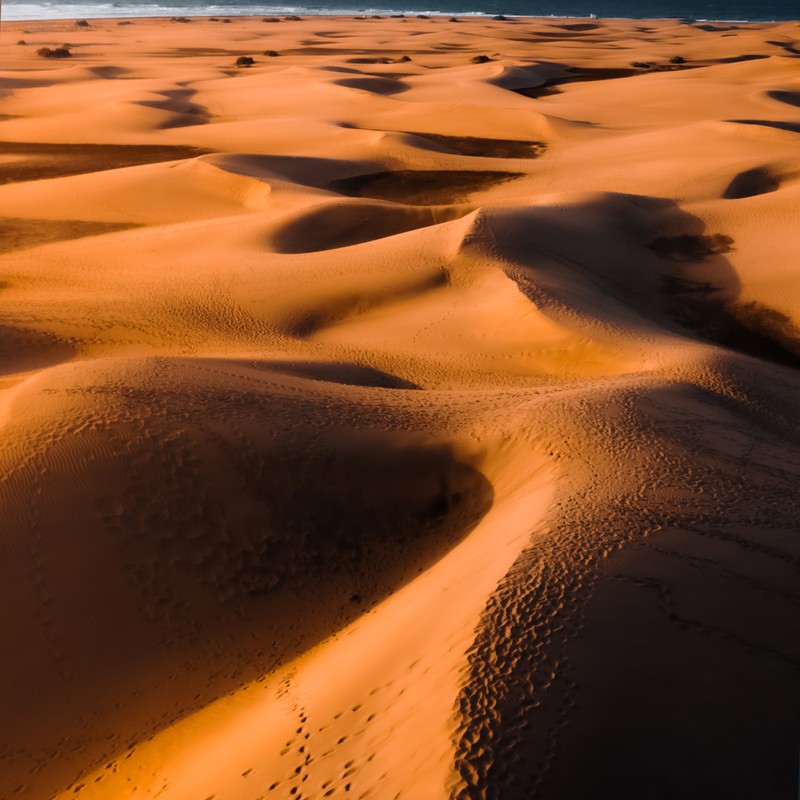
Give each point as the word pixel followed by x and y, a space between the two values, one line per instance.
pixel 377 423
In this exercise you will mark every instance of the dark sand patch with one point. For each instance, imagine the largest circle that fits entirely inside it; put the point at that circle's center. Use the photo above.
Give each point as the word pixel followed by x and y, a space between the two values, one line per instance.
pixel 751 328
pixel 691 249
pixel 790 98
pixel 580 27
pixel 20 234
pixel 739 59
pixel 792 127
pixel 588 74
pixel 549 87
pixel 421 187
pixel 380 85
pixel 379 55
pixel 485 148
pixel 751 183
pixel 347 306
pixel 41 161
pixel 344 225
pixel 346 374
pixel 22 350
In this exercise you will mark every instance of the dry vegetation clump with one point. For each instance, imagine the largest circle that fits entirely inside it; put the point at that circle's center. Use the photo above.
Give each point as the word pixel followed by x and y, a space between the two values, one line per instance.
pixel 54 52
pixel 690 248
pixel 245 61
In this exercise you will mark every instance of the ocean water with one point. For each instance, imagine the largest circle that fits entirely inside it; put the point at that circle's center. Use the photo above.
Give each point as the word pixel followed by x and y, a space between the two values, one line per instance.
pixel 731 10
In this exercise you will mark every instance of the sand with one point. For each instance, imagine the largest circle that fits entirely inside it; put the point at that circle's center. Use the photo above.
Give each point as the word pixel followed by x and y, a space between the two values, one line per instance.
pixel 377 423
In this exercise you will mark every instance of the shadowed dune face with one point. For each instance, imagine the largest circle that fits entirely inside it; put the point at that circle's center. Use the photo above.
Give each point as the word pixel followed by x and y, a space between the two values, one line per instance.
pixel 334 226
pixel 381 86
pixel 225 526
pixel 702 294
pixel 781 125
pixel 22 351
pixel 418 187
pixel 346 374
pixel 18 234
pixel 484 148
pixel 179 103
pixel 787 97
pixel 750 183
pixel 343 306
pixel 36 161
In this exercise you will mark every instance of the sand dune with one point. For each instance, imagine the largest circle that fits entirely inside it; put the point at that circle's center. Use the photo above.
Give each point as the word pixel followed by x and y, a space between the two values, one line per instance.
pixel 410 414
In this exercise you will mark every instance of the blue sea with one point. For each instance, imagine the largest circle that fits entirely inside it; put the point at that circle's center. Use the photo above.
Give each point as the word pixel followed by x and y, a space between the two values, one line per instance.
pixel 732 10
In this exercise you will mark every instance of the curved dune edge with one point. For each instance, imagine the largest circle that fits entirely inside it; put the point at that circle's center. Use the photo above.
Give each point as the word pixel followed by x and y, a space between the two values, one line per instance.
pixel 364 694
pixel 410 414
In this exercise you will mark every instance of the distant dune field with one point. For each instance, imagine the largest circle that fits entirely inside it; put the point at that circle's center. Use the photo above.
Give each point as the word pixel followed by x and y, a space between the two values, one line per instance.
pixel 409 415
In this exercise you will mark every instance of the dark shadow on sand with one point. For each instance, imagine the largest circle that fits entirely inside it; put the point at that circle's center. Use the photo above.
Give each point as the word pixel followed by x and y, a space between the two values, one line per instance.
pixel 40 161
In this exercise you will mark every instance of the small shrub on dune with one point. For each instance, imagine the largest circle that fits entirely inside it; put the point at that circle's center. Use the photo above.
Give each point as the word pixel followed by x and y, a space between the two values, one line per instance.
pixel 271 53
pixel 677 60
pixel 81 23
pixel 22 41
pixel 245 61
pixel 479 60
pixel 55 52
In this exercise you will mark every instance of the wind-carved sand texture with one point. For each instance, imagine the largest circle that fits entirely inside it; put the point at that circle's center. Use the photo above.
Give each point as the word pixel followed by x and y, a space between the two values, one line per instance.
pixel 379 424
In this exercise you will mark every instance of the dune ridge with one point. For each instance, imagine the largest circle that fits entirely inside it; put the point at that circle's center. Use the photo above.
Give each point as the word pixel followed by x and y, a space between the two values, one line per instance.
pixel 409 414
